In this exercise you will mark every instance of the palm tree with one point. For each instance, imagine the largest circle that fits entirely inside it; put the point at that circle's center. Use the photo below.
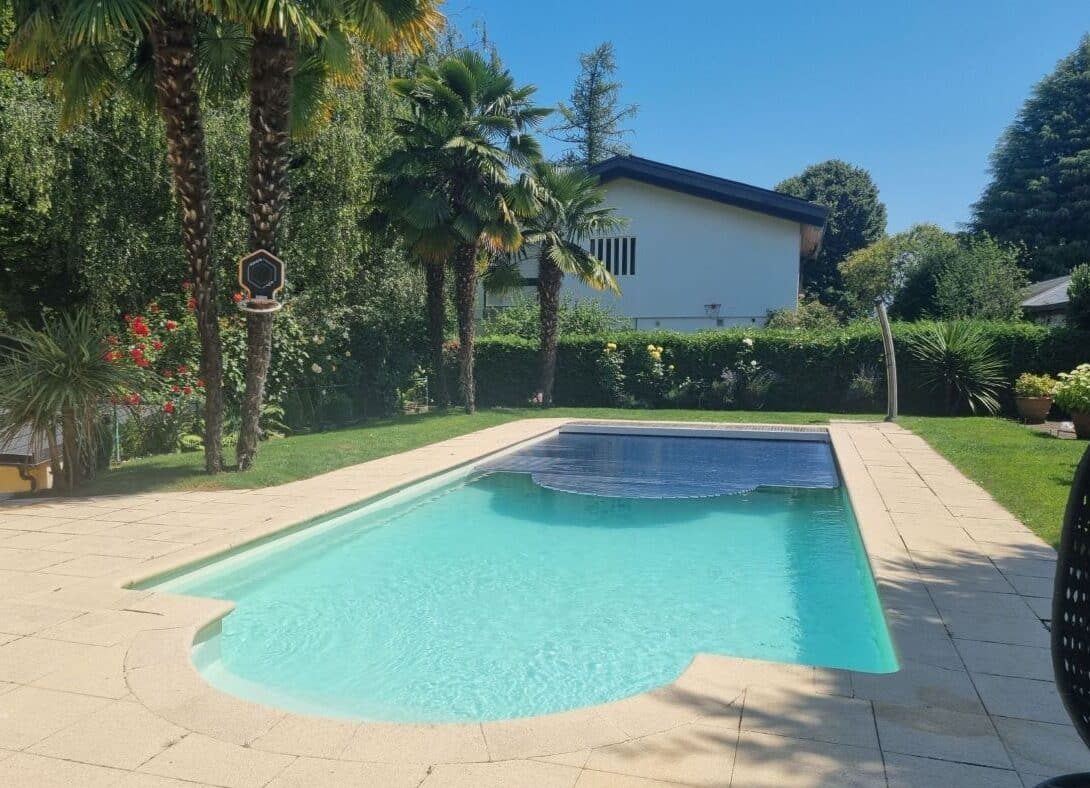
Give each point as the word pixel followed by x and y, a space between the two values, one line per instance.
pixel 90 47
pixel 309 41
pixel 451 187
pixel 58 378
pixel 571 210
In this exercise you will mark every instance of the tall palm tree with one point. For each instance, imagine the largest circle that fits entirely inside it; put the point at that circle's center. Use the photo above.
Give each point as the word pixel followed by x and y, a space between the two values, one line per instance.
pixel 571 209
pixel 451 183
pixel 308 41
pixel 91 47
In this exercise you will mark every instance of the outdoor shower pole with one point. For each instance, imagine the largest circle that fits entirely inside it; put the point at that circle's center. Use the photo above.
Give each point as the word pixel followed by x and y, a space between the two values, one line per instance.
pixel 891 360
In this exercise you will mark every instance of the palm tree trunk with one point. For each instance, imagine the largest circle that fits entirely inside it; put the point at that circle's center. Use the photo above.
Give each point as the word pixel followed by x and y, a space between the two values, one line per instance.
pixel 436 274
pixel 465 296
pixel 272 61
pixel 71 448
pixel 549 277
pixel 175 67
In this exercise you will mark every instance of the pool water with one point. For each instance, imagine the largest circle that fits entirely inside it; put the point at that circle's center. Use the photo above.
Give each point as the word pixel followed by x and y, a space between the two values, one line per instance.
pixel 491 597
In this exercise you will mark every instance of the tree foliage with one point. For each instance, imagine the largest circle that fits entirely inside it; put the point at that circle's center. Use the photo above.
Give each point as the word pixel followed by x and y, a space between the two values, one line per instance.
pixel 857 218
pixel 884 269
pixel 1078 293
pixel 927 272
pixel 593 120
pixel 1039 195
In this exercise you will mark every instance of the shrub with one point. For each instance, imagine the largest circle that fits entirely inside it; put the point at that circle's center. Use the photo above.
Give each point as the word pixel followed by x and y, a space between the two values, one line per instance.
pixel 1073 390
pixel 1030 385
pixel 811 314
pixel 958 360
pixel 815 368
pixel 585 317
pixel 1078 293
pixel 864 386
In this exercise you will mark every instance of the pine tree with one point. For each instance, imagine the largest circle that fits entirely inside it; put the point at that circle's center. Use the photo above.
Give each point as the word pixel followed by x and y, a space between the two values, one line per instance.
pixel 593 121
pixel 1040 190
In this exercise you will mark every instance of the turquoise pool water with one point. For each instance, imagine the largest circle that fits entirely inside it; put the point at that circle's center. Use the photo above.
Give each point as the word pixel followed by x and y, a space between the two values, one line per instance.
pixel 491 596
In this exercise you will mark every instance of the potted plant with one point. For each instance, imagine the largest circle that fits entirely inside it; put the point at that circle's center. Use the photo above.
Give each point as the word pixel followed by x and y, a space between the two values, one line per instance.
pixel 1033 396
pixel 1073 395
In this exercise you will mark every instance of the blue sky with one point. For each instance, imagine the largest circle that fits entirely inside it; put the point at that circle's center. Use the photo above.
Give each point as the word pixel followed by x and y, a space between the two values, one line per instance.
pixel 917 92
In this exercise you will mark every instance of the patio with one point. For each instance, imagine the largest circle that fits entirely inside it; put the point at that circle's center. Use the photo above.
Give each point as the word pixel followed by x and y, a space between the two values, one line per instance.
pixel 96 688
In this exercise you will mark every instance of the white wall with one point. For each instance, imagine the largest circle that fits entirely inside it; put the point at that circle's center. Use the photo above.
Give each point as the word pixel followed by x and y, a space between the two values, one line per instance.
pixel 691 252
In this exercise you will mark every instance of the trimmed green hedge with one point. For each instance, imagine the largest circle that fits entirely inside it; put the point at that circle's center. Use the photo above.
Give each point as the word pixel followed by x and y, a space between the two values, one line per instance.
pixel 814 367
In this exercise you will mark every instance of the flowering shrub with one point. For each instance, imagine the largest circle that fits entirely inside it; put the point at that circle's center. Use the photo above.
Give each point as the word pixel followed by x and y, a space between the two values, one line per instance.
pixel 609 369
pixel 1030 385
pixel 1073 390
pixel 746 383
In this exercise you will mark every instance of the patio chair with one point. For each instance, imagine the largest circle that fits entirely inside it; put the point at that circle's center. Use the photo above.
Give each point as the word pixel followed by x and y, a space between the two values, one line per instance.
pixel 1071 616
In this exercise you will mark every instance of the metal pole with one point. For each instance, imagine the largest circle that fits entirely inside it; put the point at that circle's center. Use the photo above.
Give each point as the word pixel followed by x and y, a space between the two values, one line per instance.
pixel 891 360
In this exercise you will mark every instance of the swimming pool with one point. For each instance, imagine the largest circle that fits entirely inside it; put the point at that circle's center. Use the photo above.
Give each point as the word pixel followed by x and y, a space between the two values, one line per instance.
pixel 578 570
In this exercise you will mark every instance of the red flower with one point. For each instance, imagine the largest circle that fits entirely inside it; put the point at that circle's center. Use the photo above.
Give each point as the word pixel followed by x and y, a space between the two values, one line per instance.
pixel 187 285
pixel 187 390
pixel 156 344
pixel 171 325
pixel 200 383
pixel 153 308
pixel 168 374
pixel 133 399
pixel 137 352
pixel 236 297
pixel 139 327
pixel 191 303
pixel 111 339
pixel 182 369
pixel 111 355
pixel 174 389
pixel 143 362
pixel 168 407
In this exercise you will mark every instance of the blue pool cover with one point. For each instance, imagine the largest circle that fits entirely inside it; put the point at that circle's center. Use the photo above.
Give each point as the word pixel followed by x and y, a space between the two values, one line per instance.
pixel 654 466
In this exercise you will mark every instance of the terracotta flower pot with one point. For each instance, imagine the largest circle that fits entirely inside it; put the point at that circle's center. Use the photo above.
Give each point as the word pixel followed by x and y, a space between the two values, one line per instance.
pixel 1033 410
pixel 1082 424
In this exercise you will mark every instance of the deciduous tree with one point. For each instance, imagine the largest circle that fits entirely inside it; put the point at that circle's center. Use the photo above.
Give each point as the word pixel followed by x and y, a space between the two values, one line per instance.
pixel 857 218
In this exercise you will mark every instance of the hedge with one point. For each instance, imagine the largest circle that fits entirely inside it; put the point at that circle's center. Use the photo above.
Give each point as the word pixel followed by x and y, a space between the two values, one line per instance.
pixel 814 367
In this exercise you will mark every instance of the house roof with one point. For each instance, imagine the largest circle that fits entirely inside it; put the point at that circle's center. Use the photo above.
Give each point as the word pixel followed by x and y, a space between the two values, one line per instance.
pixel 1047 295
pixel 699 184
pixel 24 448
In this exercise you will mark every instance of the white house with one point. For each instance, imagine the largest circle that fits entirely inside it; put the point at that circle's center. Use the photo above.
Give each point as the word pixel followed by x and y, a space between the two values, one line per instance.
pixel 698 251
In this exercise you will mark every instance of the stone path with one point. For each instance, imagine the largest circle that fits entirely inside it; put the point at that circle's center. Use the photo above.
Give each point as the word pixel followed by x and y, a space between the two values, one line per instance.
pixel 96 688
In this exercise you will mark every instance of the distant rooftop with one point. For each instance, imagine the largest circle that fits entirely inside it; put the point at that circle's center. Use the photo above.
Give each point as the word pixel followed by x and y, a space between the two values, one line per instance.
pixel 22 448
pixel 1046 296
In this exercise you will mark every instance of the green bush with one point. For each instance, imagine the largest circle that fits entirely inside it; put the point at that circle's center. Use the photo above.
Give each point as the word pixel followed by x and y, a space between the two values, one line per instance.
pixel 815 370
pixel 576 316
pixel 1078 293
pixel 958 361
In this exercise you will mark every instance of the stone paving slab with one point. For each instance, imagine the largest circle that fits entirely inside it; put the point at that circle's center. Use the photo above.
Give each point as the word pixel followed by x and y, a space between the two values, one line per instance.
pixel 96 686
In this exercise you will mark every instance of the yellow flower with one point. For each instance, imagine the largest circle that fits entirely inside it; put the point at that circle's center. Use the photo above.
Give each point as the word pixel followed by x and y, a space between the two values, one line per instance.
pixel 671 367
pixel 659 349
pixel 611 345
pixel 650 348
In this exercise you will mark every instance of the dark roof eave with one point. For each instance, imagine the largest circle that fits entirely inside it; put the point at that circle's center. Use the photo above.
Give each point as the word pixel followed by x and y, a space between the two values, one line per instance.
pixel 698 184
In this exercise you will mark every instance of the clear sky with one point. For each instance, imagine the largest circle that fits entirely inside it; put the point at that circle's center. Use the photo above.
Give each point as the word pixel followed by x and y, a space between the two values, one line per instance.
pixel 916 91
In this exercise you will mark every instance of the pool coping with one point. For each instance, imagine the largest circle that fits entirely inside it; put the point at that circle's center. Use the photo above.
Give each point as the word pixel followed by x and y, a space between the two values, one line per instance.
pixel 719 681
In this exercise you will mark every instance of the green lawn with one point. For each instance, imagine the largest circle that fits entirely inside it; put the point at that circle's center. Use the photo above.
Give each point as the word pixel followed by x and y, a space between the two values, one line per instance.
pixel 287 459
pixel 1025 471
pixel 1028 472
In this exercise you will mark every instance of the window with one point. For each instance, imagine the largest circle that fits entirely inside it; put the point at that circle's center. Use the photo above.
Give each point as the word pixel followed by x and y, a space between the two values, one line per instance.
pixel 617 254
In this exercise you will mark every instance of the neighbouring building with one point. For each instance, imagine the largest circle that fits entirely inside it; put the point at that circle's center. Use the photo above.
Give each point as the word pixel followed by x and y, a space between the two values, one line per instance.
pixel 24 464
pixel 698 251
pixel 1046 301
